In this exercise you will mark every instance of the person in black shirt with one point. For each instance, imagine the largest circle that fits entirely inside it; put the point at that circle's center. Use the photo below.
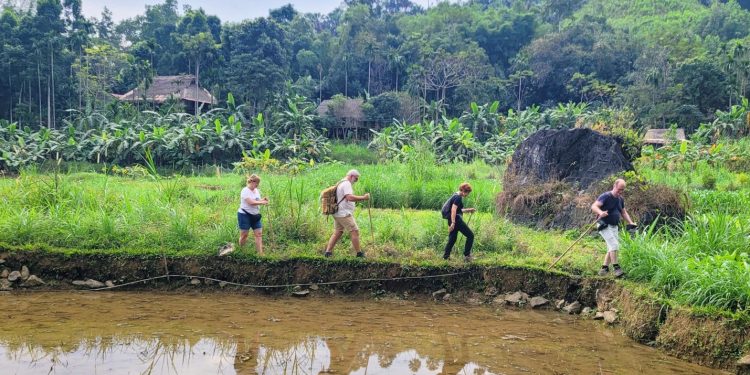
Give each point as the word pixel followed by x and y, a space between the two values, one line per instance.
pixel 452 211
pixel 609 207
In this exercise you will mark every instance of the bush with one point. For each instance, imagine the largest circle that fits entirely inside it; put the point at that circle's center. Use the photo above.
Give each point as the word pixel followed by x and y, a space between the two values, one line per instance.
pixel 352 153
pixel 709 181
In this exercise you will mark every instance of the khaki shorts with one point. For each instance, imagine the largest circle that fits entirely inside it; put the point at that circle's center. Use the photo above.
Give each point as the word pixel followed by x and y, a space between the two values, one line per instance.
pixel 346 224
pixel 611 236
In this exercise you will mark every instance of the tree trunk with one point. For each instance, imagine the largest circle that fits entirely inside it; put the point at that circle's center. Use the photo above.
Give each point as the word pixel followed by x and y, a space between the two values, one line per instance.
pixel 39 87
pixel 52 75
pixel 346 79
pixel 49 107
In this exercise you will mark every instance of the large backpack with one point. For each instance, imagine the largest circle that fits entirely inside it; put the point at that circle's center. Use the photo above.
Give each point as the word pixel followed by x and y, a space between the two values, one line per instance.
pixel 446 210
pixel 329 205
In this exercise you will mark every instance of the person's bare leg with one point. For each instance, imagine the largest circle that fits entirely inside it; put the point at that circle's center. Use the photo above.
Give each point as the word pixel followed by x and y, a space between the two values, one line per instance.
pixel 258 233
pixel 355 240
pixel 243 237
pixel 334 238
pixel 613 257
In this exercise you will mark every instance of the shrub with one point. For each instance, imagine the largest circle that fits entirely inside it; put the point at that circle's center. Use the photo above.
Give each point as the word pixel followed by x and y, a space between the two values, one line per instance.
pixel 709 181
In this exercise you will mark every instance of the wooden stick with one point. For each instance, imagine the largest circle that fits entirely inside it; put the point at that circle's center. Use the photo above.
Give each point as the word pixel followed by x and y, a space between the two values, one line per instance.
pixel 369 213
pixel 571 245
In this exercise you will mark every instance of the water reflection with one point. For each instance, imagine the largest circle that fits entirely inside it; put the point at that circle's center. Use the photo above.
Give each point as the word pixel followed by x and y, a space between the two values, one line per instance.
pixel 131 333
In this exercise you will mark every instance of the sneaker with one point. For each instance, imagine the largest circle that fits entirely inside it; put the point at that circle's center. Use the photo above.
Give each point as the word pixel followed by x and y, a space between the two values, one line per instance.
pixel 327 254
pixel 360 255
pixel 619 272
pixel 604 271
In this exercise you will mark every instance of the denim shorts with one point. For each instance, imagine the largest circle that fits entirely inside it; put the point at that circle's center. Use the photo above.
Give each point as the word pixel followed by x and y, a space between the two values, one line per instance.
pixel 245 223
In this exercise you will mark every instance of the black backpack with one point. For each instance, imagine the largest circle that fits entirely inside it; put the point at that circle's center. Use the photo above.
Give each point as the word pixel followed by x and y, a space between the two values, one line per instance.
pixel 446 210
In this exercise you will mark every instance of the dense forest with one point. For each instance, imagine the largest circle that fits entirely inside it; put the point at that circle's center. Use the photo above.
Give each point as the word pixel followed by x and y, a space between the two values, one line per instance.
pixel 668 61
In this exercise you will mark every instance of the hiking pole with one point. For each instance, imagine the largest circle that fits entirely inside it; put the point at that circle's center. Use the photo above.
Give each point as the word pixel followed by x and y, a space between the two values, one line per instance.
pixel 369 214
pixel 590 227
pixel 270 227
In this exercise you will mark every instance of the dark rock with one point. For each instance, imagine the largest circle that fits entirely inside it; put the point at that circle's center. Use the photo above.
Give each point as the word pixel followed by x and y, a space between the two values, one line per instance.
pixel 576 156
pixel 13 276
pixel 610 316
pixel 517 298
pixel 439 294
pixel 5 285
pixel 91 283
pixel 559 304
pixel 473 301
pixel 301 293
pixel 538 302
pixel 573 308
pixel 32 281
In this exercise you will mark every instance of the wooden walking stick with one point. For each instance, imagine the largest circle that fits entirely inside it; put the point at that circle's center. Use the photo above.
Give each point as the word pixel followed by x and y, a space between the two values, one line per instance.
pixel 270 228
pixel 369 214
pixel 571 245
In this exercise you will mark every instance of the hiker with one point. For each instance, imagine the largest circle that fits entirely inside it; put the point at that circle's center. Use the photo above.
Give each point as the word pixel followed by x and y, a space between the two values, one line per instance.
pixel 343 219
pixel 608 208
pixel 248 216
pixel 452 211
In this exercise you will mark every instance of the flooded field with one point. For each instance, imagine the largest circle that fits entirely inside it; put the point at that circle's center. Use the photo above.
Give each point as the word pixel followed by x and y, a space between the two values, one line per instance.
pixel 158 333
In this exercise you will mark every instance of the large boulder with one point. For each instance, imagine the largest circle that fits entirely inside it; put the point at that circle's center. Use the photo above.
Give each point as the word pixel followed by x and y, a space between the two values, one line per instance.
pixel 578 156
pixel 555 175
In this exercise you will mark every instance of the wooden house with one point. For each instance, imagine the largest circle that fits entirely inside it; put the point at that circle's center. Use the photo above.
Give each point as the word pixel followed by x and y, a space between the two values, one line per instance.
pixel 163 88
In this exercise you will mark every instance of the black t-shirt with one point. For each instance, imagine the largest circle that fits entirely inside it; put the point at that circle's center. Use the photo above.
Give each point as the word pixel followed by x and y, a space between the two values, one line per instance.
pixel 613 205
pixel 448 206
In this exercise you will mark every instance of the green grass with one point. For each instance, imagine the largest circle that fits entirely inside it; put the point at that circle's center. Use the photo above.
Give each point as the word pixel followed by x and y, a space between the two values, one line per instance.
pixel 701 262
pixel 196 215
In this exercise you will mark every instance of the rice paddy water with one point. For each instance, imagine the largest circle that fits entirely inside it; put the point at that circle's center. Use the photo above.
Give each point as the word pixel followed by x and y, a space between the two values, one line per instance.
pixel 162 333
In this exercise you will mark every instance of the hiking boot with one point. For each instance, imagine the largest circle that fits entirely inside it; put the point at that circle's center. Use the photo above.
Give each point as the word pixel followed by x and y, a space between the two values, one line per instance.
pixel 360 255
pixel 603 271
pixel 618 272
pixel 328 254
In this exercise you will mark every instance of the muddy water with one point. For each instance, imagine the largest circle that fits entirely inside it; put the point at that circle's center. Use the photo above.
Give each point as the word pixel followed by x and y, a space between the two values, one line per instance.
pixel 156 333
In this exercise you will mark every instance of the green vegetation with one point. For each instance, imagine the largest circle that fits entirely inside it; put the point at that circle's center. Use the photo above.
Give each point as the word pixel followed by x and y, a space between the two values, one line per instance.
pixel 702 261
pixel 196 215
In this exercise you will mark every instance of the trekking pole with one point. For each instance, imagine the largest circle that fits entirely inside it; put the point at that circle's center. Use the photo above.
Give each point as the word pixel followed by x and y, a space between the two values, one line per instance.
pixel 270 227
pixel 369 214
pixel 590 227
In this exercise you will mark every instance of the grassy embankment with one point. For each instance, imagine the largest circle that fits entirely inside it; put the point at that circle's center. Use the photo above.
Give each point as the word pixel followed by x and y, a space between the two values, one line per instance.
pixel 702 262
pixel 94 212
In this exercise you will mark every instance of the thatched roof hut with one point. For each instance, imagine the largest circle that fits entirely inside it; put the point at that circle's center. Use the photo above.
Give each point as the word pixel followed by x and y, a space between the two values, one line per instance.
pixel 661 136
pixel 182 87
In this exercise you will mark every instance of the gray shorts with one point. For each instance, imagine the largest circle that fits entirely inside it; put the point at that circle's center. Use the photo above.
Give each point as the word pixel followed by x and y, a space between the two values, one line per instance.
pixel 611 236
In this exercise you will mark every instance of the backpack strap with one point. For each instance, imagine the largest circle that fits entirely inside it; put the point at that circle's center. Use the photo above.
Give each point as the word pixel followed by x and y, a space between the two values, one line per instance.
pixel 336 191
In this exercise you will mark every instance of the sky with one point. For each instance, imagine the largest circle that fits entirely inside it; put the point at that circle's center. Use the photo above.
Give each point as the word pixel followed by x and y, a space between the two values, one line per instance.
pixel 226 10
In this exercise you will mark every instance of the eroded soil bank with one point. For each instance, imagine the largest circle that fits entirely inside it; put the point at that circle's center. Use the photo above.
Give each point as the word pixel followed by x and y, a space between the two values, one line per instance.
pixel 707 340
